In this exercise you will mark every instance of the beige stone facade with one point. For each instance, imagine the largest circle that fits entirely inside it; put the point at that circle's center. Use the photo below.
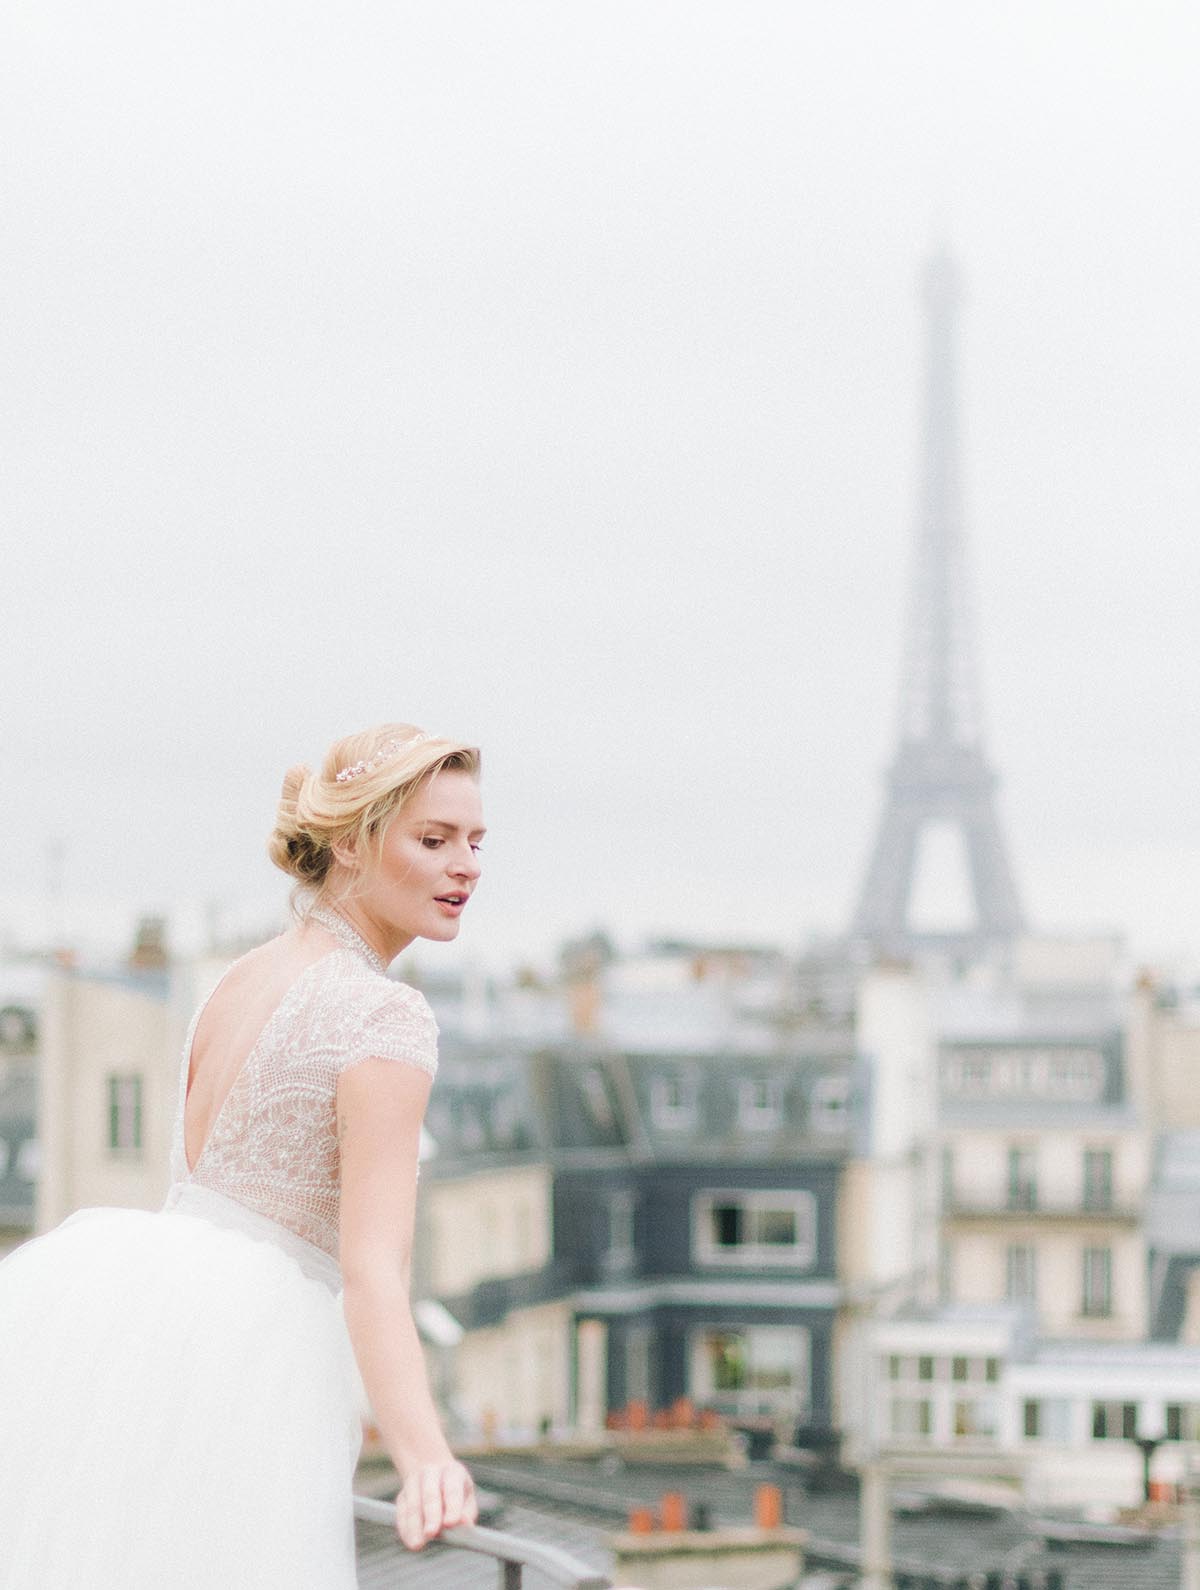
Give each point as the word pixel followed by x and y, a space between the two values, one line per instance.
pixel 1051 1217
pixel 107 1091
pixel 484 1225
pixel 512 1377
pixel 1164 1049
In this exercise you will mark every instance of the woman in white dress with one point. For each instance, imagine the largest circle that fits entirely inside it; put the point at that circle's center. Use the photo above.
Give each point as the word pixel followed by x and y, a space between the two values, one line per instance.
pixel 178 1398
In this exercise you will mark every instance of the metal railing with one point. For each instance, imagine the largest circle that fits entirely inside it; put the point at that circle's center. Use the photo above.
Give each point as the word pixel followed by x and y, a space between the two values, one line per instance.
pixel 512 1553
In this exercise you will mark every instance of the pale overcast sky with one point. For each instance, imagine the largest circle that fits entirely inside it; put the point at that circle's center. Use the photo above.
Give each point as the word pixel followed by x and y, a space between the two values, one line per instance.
pixel 549 374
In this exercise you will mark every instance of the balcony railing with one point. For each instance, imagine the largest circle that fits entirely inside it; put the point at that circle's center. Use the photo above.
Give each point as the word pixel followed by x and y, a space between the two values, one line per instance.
pixel 511 1553
pixel 1004 1206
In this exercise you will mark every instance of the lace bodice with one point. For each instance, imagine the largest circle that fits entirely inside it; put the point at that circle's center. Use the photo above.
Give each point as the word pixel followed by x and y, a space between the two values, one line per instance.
pixel 273 1145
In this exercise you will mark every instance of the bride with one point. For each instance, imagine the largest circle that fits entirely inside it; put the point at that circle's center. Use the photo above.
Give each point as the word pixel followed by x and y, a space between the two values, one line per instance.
pixel 178 1396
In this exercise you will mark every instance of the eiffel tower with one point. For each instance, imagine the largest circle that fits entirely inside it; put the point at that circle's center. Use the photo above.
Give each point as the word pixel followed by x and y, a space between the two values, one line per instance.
pixel 939 773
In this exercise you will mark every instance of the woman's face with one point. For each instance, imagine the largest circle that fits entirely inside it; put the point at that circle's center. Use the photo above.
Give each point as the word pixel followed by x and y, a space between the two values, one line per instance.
pixel 429 862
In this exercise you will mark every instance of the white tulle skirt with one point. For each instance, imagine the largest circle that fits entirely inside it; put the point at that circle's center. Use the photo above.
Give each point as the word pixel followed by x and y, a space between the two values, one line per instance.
pixel 178 1408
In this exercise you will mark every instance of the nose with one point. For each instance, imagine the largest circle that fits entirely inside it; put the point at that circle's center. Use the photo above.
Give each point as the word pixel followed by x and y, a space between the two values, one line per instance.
pixel 467 865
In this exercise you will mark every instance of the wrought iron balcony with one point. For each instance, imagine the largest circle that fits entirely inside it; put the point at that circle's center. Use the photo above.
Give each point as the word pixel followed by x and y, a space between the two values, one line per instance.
pixel 1028 1205
pixel 511 1553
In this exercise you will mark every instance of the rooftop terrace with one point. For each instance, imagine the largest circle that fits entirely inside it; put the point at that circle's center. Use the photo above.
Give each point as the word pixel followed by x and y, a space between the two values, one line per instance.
pixel 576 1507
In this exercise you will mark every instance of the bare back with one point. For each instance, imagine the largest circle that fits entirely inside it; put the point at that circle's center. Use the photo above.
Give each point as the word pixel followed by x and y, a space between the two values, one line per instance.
pixel 234 1018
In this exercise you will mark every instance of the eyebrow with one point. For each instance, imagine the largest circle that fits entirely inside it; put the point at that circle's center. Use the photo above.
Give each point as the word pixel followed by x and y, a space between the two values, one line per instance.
pixel 451 828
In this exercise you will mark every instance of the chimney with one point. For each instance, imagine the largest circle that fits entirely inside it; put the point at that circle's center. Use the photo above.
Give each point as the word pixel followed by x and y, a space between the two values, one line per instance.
pixel 149 952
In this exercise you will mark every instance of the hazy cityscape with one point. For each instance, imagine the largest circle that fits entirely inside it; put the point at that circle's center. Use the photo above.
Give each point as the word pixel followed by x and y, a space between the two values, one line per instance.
pixel 772 438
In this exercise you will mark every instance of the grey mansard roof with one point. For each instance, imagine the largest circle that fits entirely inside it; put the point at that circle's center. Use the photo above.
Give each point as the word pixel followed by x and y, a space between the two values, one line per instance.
pixel 583 1098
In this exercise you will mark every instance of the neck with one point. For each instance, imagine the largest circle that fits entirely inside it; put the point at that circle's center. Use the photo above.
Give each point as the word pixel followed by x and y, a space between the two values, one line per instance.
pixel 386 940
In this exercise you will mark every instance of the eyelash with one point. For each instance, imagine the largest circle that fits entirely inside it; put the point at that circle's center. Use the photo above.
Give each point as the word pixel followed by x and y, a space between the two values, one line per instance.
pixel 435 842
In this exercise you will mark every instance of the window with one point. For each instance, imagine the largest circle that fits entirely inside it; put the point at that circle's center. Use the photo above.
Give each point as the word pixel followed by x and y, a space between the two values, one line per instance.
pixel 948 1177
pixel 925 1367
pixel 1182 1421
pixel 1114 1421
pixel 1077 1075
pixel 1022 1178
pixel 976 1074
pixel 125 1114
pixel 831 1104
pixel 750 1228
pixel 29 1159
pixel 975 1419
pixel 1097 1283
pixel 1097 1178
pixel 1020 1273
pixel 1048 1419
pixel 619 1253
pixel 759 1103
pixel 912 1417
pixel 672 1101
pixel 754 1369
pixel 945 1271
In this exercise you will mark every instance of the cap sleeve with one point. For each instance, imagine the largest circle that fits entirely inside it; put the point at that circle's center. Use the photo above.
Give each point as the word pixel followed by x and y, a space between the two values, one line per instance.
pixel 398 1025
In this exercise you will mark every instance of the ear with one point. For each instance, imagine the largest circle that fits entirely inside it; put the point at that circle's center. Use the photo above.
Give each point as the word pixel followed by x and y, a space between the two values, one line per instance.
pixel 346 853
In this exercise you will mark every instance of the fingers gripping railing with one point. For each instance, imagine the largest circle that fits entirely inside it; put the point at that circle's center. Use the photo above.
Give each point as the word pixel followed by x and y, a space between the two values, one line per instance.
pixel 512 1552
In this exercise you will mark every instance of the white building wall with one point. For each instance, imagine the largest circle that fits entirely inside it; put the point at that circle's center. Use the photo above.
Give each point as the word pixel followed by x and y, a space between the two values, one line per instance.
pixel 928 1372
pixel 514 1377
pixel 890 1240
pixel 486 1224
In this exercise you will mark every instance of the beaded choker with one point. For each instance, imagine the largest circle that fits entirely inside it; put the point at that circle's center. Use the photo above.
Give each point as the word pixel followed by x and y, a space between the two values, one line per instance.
pixel 347 936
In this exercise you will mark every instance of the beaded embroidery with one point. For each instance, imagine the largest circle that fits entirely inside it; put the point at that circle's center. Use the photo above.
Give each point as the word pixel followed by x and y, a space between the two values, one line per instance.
pixel 273 1146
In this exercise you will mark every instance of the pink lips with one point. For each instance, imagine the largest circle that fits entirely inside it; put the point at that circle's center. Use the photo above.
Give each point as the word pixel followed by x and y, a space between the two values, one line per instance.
pixel 452 903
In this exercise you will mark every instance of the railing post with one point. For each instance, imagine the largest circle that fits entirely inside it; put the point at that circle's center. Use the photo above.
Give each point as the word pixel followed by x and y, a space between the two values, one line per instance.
pixel 510 1576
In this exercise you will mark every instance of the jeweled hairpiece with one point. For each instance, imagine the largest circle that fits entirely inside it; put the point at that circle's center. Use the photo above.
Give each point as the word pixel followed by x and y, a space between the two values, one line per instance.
pixel 357 769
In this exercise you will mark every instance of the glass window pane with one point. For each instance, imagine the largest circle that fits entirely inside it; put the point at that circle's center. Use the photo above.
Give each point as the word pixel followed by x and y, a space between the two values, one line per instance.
pixel 727 1225
pixel 777 1227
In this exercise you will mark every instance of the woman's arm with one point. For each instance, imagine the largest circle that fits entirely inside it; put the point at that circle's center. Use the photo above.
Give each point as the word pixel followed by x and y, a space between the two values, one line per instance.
pixel 380 1108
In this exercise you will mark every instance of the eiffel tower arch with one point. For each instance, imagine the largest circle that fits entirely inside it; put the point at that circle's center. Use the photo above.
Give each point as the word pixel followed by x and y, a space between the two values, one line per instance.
pixel 940 774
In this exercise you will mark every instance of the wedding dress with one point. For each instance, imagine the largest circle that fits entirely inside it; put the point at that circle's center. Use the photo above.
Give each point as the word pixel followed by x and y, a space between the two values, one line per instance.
pixel 179 1406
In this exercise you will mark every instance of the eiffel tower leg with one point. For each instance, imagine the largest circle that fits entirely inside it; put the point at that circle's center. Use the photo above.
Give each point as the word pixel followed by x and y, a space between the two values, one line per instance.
pixel 882 910
pixel 997 908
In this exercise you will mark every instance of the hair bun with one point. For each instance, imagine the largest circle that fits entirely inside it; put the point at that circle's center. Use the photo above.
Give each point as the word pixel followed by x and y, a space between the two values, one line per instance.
pixel 293 846
pixel 293 783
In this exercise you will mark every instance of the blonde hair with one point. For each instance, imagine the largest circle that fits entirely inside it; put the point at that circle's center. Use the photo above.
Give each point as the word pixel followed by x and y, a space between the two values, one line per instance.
pixel 382 769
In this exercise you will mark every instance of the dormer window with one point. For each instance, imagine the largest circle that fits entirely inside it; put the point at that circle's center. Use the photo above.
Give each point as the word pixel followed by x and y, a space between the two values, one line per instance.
pixel 673 1101
pixel 595 1091
pixel 831 1104
pixel 760 1103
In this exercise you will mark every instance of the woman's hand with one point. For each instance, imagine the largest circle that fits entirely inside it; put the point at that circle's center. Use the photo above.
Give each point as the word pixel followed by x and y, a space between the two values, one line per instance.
pixel 435 1496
